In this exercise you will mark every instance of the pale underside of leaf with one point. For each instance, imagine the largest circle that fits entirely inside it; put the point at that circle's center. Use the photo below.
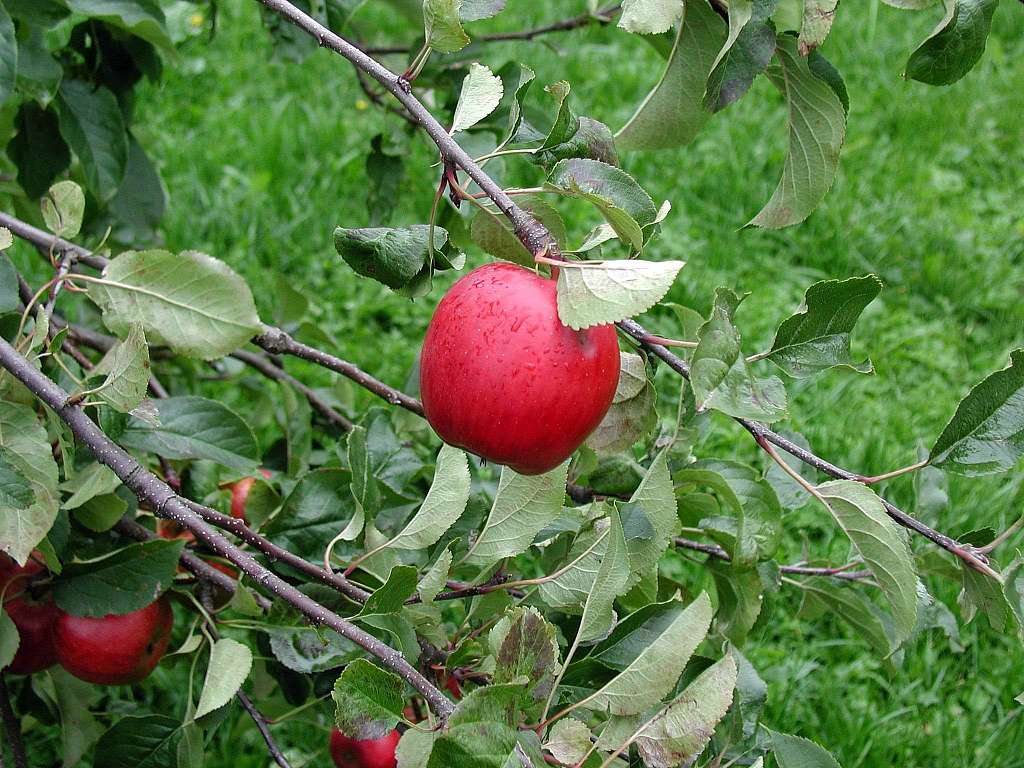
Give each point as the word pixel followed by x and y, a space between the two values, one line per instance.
pixel 596 293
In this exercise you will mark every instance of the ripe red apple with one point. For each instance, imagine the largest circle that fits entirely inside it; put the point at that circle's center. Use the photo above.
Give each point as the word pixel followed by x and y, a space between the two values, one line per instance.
pixel 364 753
pixel 501 377
pixel 240 494
pixel 114 650
pixel 34 617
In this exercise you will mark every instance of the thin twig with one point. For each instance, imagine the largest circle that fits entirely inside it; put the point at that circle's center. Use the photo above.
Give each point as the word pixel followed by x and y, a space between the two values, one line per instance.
pixel 262 727
pixel 1002 537
pixel 11 726
pixel 844 572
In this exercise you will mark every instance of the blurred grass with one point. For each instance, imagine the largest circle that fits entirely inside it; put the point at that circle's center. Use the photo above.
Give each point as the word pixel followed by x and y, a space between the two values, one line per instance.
pixel 263 157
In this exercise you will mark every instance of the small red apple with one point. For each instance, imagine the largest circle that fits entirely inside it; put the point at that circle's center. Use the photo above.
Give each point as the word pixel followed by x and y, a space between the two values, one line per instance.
pixel 114 650
pixel 169 529
pixel 240 494
pixel 34 617
pixel 501 377
pixel 364 753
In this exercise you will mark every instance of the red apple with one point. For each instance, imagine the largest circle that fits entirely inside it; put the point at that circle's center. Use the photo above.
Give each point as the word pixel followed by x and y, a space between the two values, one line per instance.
pixel 240 494
pixel 364 753
pixel 35 620
pixel 114 650
pixel 169 529
pixel 501 377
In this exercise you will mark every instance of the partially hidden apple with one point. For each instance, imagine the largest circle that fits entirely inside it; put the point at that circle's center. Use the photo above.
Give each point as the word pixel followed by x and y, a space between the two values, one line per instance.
pixel 364 753
pixel 33 616
pixel 502 377
pixel 114 650
pixel 240 494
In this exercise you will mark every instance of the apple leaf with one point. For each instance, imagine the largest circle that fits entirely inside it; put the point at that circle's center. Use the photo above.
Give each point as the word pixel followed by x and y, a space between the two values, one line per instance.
pixel 191 302
pixel 679 734
pixel 817 128
pixel 740 594
pixel 493 232
pixel 442 27
pixel 744 55
pixel 652 508
pixel 565 123
pixel 364 485
pixel 444 504
pixel 620 199
pixel 394 256
pixel 391 597
pixel 436 577
pixel 481 93
pixel 798 752
pixel 631 416
pixel 148 741
pixel 612 580
pixel 124 581
pixel 195 428
pixel 9 299
pixel 600 292
pixel 526 646
pixel 92 124
pixel 650 17
pixel 313 512
pixel 881 544
pixel 817 336
pixel 569 741
pixel 476 10
pixel 654 672
pixel 230 663
pixel 26 453
pixel 985 436
pixel 818 17
pixel 6 239
pixel 125 368
pixel 9 639
pixel 304 650
pixel 955 45
pixel 523 505
pixel 101 513
pixel 63 208
pixel 368 700
pixel 8 55
pixel 673 112
pixel 15 490
pixel 851 605
pixel 569 590
pixel 721 378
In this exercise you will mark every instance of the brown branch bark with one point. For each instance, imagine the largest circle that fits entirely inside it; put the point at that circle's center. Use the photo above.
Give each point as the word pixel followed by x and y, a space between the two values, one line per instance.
pixel 154 492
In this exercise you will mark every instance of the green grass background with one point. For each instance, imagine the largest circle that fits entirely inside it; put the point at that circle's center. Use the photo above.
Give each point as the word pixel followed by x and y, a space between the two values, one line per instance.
pixel 263 157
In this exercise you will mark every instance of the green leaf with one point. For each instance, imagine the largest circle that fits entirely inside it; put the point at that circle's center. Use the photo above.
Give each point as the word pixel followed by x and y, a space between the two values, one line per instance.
pixel 679 735
pixel 441 25
pixel 569 741
pixel 740 599
pixel 444 504
pixel 38 150
pixel 798 752
pixel 720 375
pixel 39 73
pixel 9 299
pixel 955 45
pixel 881 543
pixel 195 428
pixel 392 595
pixel 570 589
pixel 385 171
pixel 142 18
pixel 984 436
pixel 746 52
pixel 124 581
pixel 481 93
pixel 92 125
pixel 79 729
pixel 368 700
pixel 63 208
pixel 8 55
pixel 654 501
pixel 650 17
pixel 611 581
pixel 599 292
pixel 523 505
pixel 140 742
pixel 673 112
pixel 528 648
pixel 15 490
pixel 565 123
pixel 414 748
pixel 623 203
pixel 8 640
pixel 126 370
pixel 851 605
pixel 476 10
pixel 654 672
pixel 304 650
pixel 817 336
pixel 393 256
pixel 94 479
pixel 632 415
pixel 817 127
pixel 312 513
pixel 25 449
pixel 101 513
pixel 818 17
pixel 364 485
pixel 191 302
pixel 436 577
pixel 230 663
pixel 791 494
pixel 494 233
pixel 141 199
pixel 985 594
